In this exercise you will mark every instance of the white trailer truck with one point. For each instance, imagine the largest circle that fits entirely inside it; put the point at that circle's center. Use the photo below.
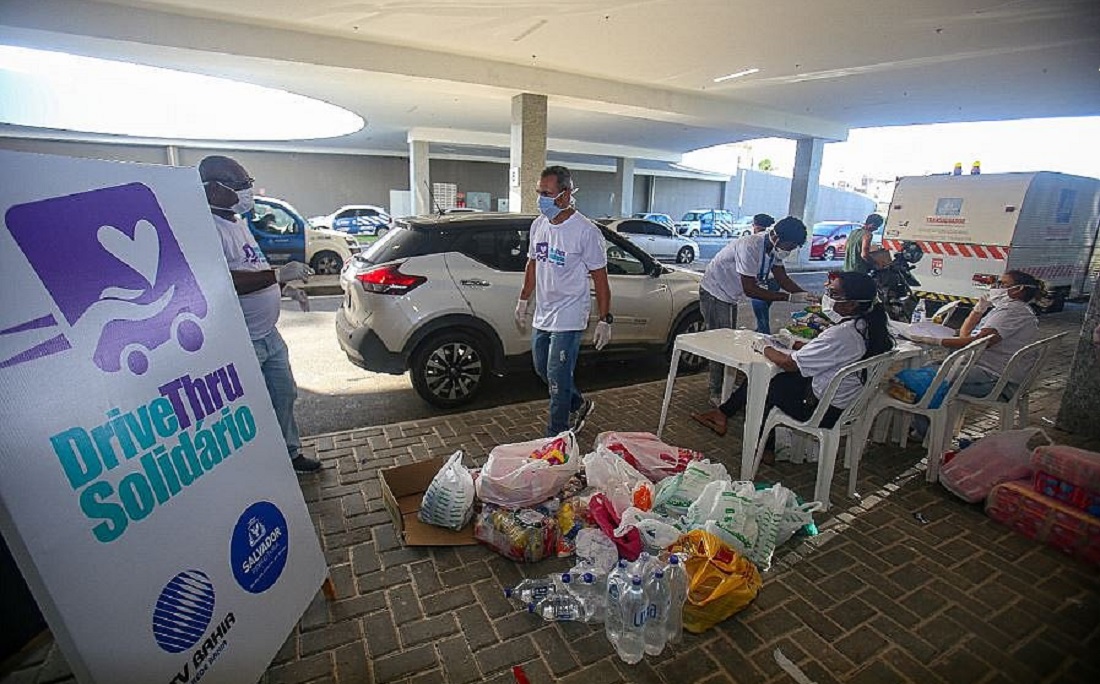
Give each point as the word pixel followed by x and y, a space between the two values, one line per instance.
pixel 973 228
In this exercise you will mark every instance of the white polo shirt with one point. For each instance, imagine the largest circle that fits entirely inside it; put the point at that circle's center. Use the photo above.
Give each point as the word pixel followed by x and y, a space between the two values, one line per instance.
pixel 1018 327
pixel 260 308
pixel 821 358
pixel 564 254
pixel 745 256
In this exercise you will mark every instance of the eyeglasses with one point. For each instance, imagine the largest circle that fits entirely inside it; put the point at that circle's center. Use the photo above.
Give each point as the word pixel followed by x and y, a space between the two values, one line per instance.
pixel 235 186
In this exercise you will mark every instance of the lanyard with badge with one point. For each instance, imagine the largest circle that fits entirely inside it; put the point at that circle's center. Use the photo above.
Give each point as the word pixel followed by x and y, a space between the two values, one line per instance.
pixel 767 261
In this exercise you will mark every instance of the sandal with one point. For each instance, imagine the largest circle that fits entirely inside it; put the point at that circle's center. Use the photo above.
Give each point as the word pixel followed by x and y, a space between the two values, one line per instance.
pixel 707 422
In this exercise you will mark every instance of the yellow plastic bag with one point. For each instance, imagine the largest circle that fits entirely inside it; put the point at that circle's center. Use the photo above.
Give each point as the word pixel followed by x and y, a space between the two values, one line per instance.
pixel 720 581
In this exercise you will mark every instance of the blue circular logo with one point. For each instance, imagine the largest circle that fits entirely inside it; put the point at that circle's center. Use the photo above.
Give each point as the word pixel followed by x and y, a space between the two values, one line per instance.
pixel 183 611
pixel 259 547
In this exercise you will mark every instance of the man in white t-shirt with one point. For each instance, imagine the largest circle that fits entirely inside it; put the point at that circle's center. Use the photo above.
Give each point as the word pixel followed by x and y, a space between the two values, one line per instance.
pixel 229 193
pixel 566 250
pixel 741 271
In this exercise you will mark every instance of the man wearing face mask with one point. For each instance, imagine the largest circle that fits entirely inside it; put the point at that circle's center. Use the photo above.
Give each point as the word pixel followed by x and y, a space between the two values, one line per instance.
pixel 229 193
pixel 566 249
pixel 741 271
pixel 1005 316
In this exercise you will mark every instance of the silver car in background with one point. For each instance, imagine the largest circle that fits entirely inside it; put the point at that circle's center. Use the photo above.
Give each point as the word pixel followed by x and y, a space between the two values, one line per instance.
pixel 659 241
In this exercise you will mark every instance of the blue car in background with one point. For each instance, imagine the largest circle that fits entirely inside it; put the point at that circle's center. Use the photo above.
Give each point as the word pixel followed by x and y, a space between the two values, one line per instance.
pixel 365 222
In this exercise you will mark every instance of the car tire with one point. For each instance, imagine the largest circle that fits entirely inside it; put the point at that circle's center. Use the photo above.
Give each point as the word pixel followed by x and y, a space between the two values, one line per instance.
pixel 830 254
pixel 381 232
pixel 449 369
pixel 686 255
pixel 692 322
pixel 326 263
pixel 693 234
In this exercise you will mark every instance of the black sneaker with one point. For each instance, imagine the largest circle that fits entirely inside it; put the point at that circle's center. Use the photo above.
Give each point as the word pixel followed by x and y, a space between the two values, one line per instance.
pixel 303 464
pixel 578 417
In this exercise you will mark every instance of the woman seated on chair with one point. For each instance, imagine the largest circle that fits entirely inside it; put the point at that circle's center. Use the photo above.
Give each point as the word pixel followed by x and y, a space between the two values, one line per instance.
pixel 859 332
pixel 1005 316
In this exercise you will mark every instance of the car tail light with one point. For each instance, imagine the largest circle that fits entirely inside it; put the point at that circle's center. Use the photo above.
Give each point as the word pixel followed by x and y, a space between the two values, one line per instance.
pixel 389 280
pixel 984 279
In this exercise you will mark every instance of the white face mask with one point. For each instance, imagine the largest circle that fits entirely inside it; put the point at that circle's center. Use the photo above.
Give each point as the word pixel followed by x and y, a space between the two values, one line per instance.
pixel 827 304
pixel 245 200
pixel 998 296
pixel 780 254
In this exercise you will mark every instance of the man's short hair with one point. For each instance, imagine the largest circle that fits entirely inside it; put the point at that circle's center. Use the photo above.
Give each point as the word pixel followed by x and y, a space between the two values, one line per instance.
pixel 791 230
pixel 763 220
pixel 873 220
pixel 562 174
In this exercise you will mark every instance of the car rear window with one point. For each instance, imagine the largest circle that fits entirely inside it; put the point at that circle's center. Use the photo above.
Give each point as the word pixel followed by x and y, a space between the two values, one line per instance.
pixel 400 243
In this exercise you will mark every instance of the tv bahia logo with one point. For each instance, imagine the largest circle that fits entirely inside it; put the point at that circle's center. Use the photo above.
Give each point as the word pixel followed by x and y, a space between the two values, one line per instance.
pixel 181 618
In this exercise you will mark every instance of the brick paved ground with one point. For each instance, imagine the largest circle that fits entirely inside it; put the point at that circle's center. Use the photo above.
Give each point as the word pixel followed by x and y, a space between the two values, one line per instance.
pixel 877 597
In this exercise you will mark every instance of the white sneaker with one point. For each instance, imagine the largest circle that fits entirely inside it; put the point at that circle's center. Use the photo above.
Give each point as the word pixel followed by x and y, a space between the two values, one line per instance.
pixel 715 400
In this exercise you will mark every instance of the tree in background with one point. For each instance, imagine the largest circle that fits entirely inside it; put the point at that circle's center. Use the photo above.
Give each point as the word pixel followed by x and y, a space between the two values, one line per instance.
pixel 765 165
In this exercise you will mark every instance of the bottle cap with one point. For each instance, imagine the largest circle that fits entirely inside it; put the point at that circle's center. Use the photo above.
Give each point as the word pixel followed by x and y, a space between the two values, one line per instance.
pixel 658 573
pixel 589 578
pixel 566 578
pixel 673 560
pixel 530 607
pixel 636 581
pixel 508 592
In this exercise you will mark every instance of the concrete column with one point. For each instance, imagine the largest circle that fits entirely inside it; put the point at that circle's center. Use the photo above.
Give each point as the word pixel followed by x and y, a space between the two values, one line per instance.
pixel 173 154
pixel 1081 400
pixel 419 178
pixel 624 184
pixel 528 151
pixel 807 175
pixel 651 199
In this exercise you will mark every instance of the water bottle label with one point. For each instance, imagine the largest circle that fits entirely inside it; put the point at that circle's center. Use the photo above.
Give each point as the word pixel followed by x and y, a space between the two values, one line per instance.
pixel 639 617
pixel 613 591
pixel 651 612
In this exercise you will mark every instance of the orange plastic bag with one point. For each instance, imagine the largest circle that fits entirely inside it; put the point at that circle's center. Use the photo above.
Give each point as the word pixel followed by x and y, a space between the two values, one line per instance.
pixel 721 582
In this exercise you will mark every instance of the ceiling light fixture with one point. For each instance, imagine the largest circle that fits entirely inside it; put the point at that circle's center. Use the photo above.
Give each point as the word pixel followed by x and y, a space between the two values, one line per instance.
pixel 739 74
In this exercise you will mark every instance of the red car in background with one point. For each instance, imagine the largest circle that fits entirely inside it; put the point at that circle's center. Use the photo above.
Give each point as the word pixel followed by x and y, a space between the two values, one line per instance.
pixel 830 238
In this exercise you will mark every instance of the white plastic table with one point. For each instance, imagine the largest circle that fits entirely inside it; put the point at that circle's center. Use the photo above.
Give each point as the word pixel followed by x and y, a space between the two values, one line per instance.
pixel 733 349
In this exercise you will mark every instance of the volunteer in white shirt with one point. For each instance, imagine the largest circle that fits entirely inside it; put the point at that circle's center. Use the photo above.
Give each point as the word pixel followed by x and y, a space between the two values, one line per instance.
pixel 741 271
pixel 229 193
pixel 565 250
pixel 858 332
pixel 1005 316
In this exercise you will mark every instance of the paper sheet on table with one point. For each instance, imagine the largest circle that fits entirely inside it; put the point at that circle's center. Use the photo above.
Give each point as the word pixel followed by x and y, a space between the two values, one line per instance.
pixel 922 329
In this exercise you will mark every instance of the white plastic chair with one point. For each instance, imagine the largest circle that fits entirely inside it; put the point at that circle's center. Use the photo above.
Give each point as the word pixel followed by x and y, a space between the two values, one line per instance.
pixel 849 423
pixel 952 371
pixel 1016 405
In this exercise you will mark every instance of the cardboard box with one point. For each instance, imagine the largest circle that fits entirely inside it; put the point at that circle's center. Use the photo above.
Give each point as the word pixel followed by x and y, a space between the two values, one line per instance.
pixel 403 489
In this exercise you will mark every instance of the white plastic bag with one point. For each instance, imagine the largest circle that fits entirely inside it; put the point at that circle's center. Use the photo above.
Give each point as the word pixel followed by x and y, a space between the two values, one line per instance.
pixel 647 454
pixel 741 516
pixel 595 551
pixel 449 500
pixel 993 459
pixel 527 473
pixel 676 493
pixel 658 532
pixel 618 480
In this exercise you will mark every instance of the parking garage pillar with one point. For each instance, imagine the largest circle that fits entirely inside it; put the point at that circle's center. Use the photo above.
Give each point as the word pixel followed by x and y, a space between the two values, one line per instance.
pixel 419 178
pixel 528 155
pixel 807 174
pixel 624 185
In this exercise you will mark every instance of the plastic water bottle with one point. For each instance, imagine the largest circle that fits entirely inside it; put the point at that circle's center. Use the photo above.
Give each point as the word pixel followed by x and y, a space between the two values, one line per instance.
pixel 591 594
pixel 558 607
pixel 531 590
pixel 613 619
pixel 677 595
pixel 919 312
pixel 632 608
pixel 655 629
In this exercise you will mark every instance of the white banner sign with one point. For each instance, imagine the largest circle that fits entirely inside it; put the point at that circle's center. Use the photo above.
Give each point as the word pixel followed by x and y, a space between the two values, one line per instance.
pixel 145 488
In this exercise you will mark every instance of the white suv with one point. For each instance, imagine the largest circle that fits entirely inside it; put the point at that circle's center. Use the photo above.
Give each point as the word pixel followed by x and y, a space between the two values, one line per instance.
pixel 436 296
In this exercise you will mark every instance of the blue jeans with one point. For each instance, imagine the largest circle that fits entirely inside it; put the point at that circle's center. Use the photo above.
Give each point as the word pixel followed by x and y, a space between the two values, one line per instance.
pixel 762 310
pixel 555 357
pixel 274 361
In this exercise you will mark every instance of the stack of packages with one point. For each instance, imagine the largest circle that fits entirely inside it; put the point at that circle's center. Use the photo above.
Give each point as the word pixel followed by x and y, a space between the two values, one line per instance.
pixel 808 322
pixel 662 537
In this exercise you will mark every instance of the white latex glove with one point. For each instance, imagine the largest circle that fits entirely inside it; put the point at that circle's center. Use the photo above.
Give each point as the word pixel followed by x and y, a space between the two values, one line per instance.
pixel 293 270
pixel 603 335
pixel 983 304
pixel 786 338
pixel 297 295
pixel 521 314
pixel 801 298
pixel 759 344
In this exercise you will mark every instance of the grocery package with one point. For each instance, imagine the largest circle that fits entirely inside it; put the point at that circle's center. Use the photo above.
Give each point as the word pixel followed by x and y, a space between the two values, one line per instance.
pixel 677 492
pixel 526 535
pixel 746 519
pixel 720 582
pixel 657 531
pixel 449 500
pixel 1073 466
pixel 1046 520
pixel 618 480
pixel 602 512
pixel 647 454
pixel 571 520
pixel 918 380
pixel 808 323
pixel 993 459
pixel 527 473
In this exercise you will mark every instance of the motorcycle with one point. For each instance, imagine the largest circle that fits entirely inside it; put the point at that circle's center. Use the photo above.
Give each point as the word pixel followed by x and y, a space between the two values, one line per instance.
pixel 895 282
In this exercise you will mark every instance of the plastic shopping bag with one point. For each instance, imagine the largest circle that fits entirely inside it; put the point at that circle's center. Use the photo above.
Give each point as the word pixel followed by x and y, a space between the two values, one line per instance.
pixel 596 551
pixel 526 535
pixel 741 516
pixel 618 480
pixel 677 492
pixel 603 514
pixel 918 380
pixel 720 581
pixel 993 459
pixel 657 531
pixel 647 454
pixel 528 473
pixel 449 500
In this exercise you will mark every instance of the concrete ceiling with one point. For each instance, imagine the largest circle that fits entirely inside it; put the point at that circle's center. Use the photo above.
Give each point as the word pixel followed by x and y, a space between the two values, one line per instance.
pixel 624 77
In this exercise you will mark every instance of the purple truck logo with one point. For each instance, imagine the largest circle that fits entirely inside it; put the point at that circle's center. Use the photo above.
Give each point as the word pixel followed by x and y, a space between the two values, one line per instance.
pixel 116 274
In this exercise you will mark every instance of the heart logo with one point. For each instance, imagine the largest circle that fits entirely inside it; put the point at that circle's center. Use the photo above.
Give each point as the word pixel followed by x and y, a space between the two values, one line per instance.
pixel 142 253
